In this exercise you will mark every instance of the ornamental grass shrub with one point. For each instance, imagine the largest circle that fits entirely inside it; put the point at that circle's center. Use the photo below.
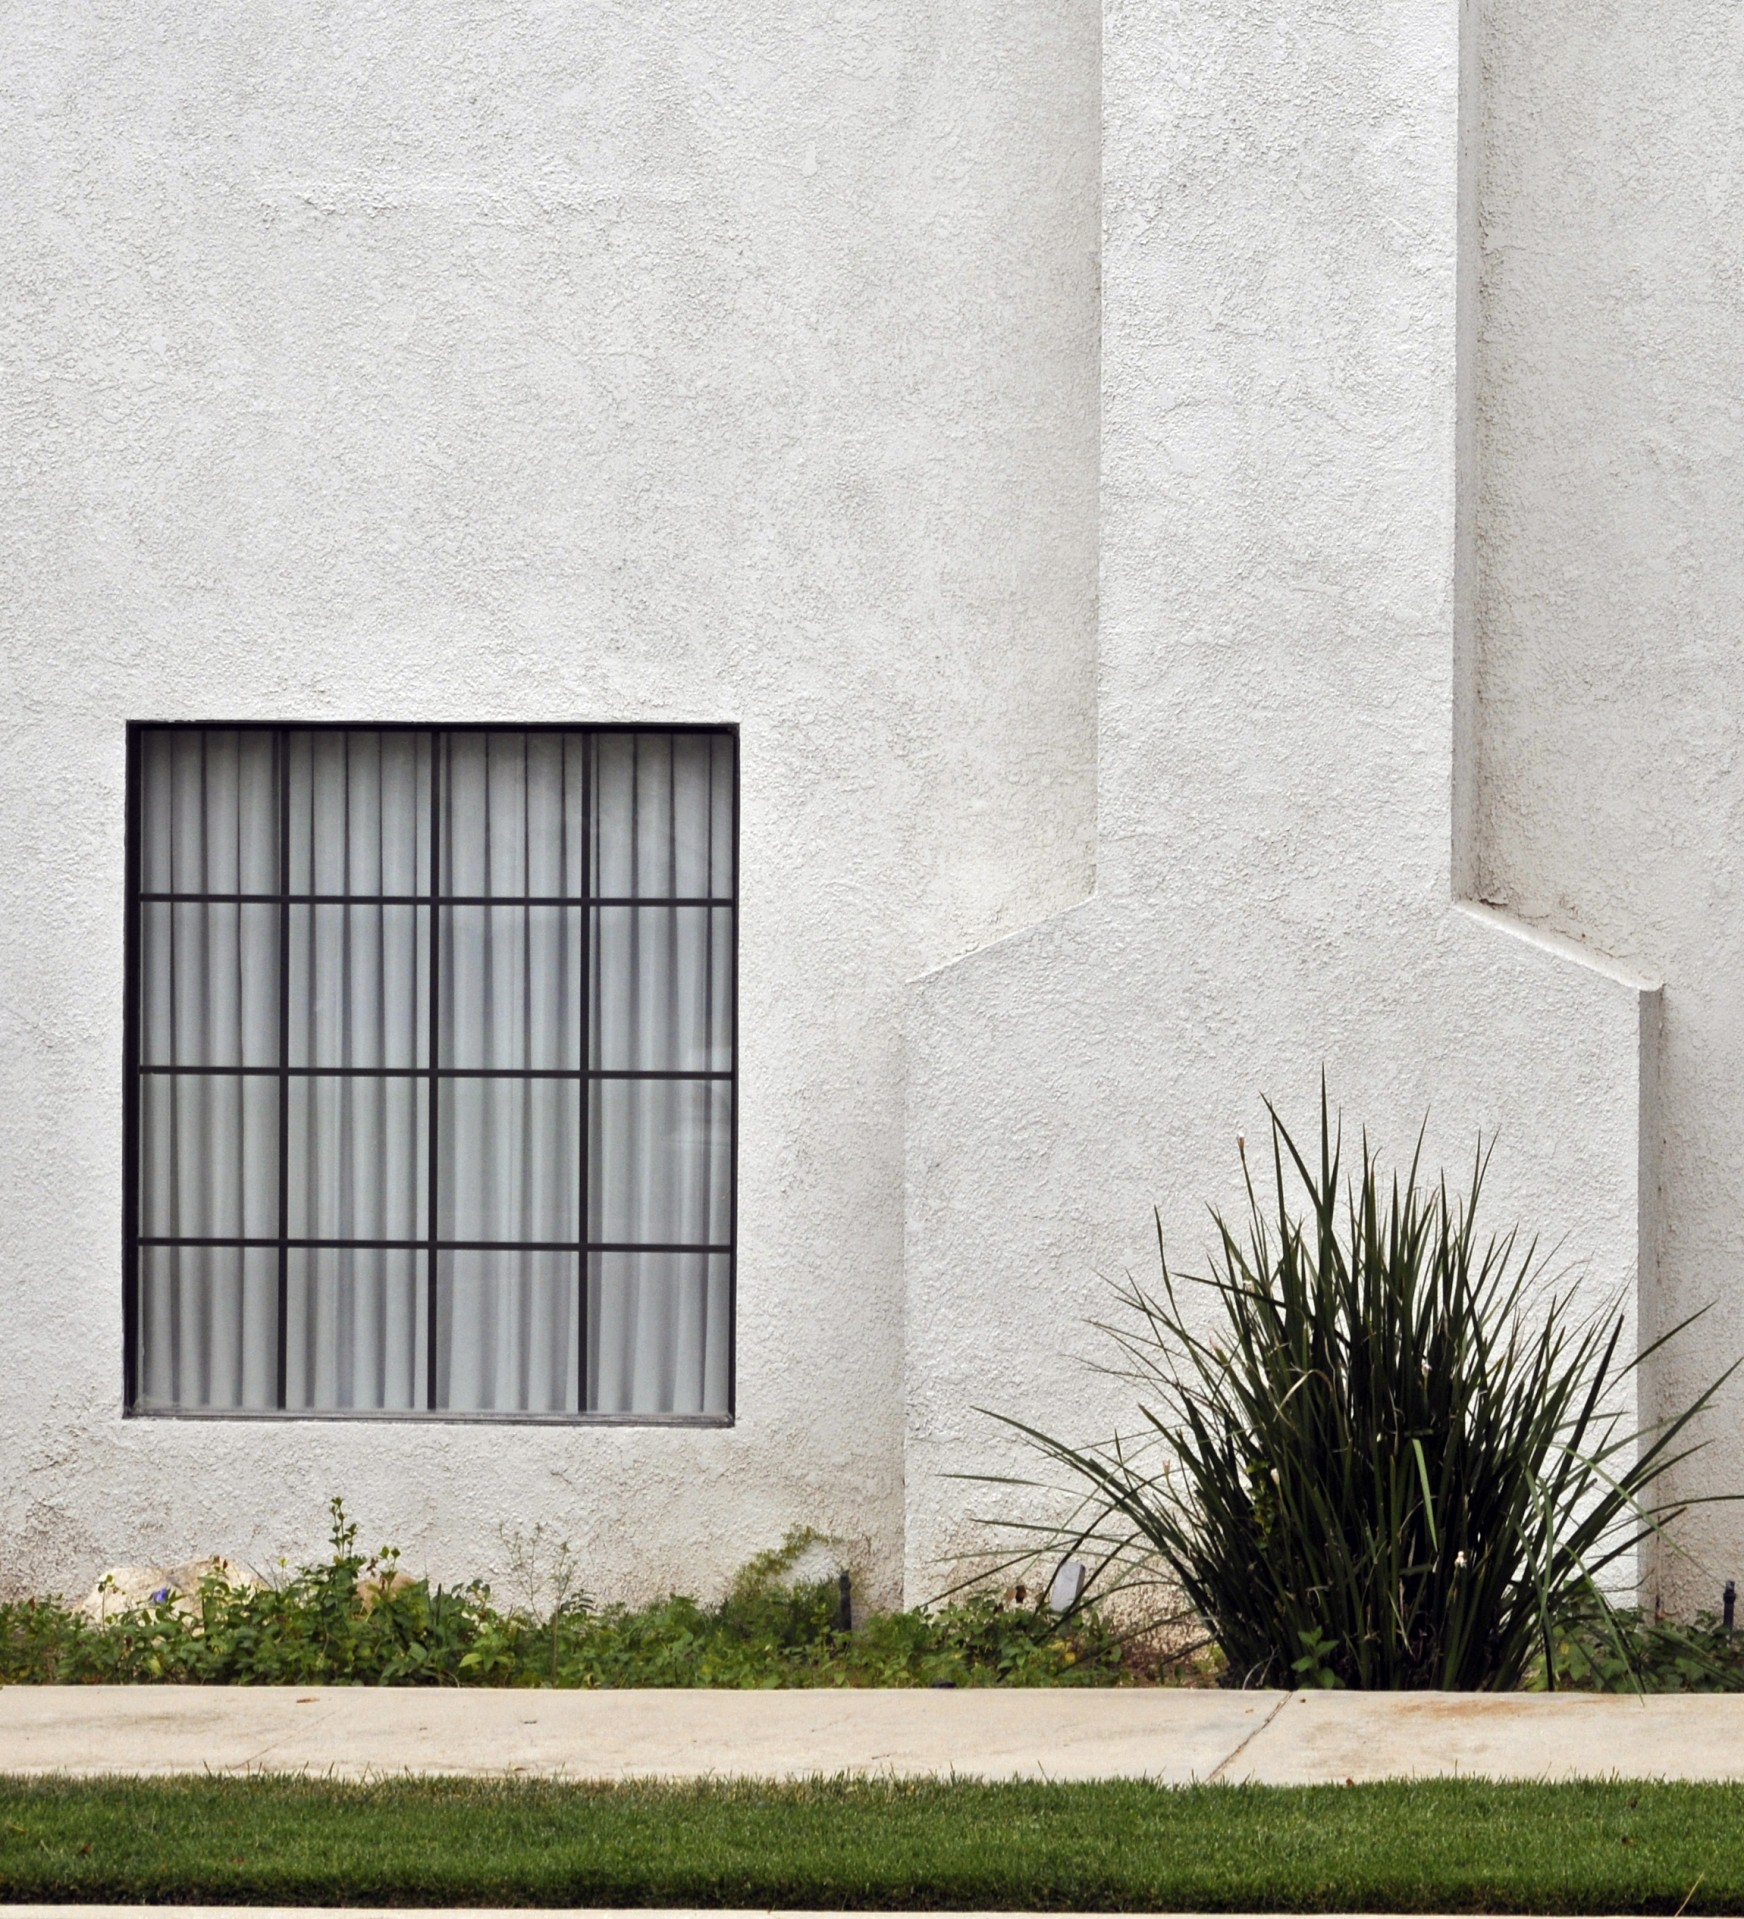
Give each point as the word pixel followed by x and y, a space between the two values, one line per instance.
pixel 1392 1455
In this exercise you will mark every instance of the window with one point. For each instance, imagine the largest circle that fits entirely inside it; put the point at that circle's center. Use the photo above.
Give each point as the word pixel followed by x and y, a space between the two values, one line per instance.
pixel 431 1071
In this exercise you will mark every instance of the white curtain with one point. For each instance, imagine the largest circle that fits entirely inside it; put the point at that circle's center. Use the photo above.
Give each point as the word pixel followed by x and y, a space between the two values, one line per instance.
pixel 571 986
pixel 659 1149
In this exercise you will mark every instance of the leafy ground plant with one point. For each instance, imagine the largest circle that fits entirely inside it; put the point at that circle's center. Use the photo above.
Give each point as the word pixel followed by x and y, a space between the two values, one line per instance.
pixel 1396 1457
pixel 357 1619
pixel 1633 1651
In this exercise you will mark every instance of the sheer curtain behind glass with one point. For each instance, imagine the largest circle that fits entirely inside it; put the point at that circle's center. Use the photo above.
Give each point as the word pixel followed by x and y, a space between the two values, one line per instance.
pixel 435 1071
pixel 660 1129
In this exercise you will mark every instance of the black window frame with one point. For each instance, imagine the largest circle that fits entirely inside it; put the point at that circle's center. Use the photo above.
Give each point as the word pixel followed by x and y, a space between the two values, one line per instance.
pixel 133 1073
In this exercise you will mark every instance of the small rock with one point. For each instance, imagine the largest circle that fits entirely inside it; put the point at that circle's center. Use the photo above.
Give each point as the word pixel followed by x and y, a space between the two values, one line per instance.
pixel 374 1587
pixel 123 1588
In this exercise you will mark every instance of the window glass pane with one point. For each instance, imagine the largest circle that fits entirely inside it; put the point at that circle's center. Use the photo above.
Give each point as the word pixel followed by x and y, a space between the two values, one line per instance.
pixel 208 1328
pixel 360 813
pixel 509 1156
pixel 209 811
pixel 359 985
pixel 209 1156
pixel 702 788
pixel 506 1331
pixel 358 1158
pixel 511 987
pixel 512 814
pixel 661 1152
pixel 208 984
pixel 663 816
pixel 532 999
pixel 659 1332
pixel 662 994
pixel 355 1329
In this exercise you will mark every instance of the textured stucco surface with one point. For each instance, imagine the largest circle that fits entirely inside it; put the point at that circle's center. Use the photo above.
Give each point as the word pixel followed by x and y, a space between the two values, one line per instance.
pixel 1610 775
pixel 1276 718
pixel 1039 432
pixel 547 362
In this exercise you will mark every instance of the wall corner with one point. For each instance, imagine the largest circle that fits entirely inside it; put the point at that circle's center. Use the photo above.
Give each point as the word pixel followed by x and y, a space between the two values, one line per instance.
pixel 1649 1571
pixel 1463 850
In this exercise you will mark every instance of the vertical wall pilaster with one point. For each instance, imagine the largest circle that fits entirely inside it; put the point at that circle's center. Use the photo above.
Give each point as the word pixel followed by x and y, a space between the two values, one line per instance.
pixel 1285 572
pixel 1279 396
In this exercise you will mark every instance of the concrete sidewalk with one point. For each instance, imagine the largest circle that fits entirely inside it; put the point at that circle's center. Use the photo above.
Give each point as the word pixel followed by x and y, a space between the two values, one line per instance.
pixel 1172 1737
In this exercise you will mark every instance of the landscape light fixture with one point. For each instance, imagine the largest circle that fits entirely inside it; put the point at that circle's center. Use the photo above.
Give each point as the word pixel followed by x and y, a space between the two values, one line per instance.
pixel 1068 1585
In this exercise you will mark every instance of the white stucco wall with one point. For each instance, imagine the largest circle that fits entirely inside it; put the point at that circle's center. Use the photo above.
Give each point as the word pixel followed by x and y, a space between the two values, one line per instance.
pixel 1276 715
pixel 544 362
pixel 1610 776
pixel 574 362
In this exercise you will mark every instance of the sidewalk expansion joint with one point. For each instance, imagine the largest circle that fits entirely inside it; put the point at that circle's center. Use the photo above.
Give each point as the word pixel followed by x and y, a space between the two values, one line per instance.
pixel 1229 1758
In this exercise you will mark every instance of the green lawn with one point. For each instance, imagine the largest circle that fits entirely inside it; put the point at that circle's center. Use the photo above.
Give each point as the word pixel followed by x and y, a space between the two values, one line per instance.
pixel 1447 1846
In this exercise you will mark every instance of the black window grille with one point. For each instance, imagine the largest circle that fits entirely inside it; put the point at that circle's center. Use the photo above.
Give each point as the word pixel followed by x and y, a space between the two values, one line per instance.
pixel 432 1071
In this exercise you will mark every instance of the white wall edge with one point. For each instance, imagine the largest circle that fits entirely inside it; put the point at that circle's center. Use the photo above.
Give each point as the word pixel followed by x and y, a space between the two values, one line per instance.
pixel 1559 945
pixel 1016 936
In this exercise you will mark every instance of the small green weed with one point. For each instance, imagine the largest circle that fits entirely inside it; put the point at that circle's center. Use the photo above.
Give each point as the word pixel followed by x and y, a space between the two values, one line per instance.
pixel 1644 1654
pixel 357 1619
